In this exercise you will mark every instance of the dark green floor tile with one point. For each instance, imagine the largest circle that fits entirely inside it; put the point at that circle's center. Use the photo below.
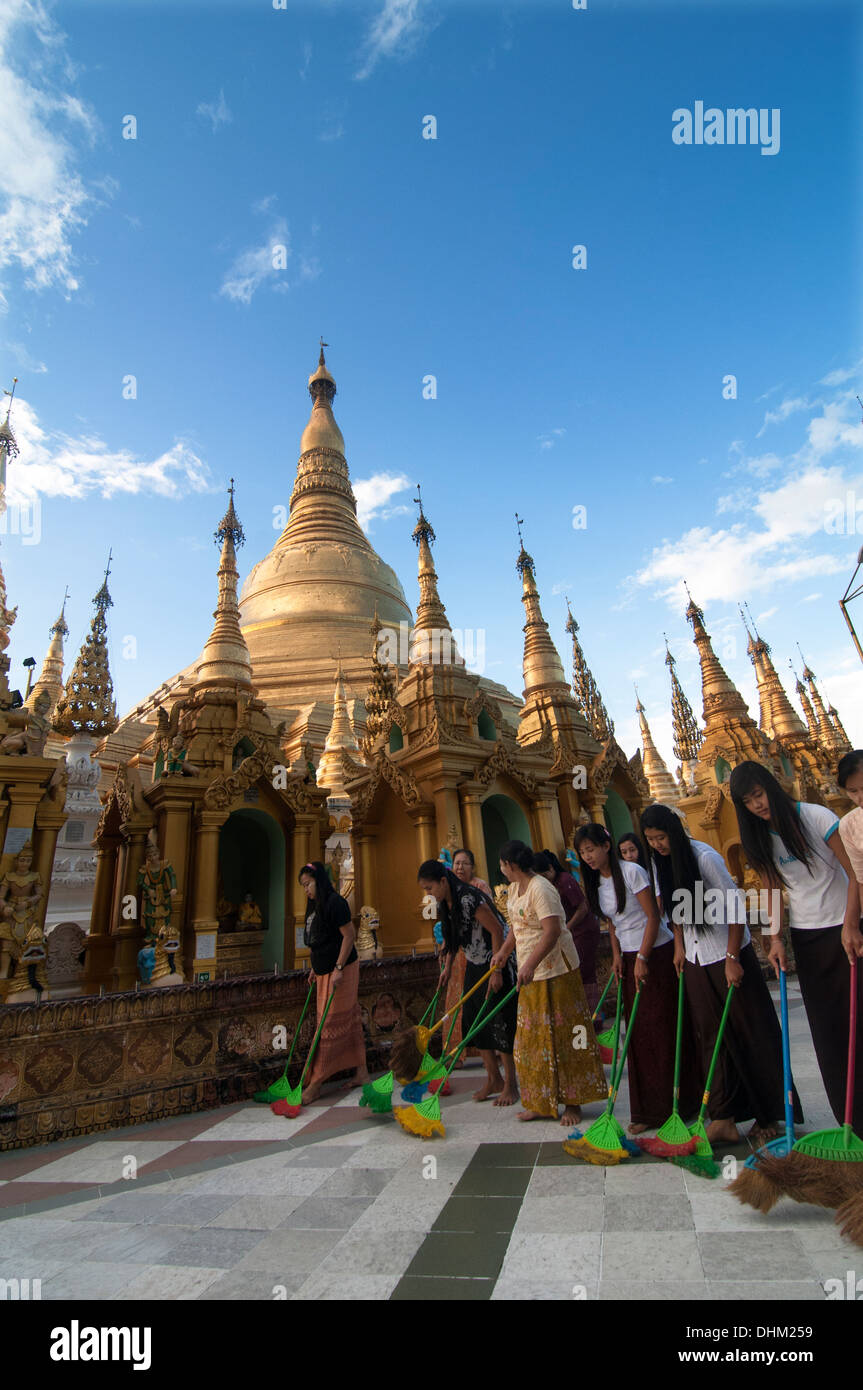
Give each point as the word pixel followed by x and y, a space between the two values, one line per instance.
pixel 492 1182
pixel 448 1254
pixel 484 1214
pixel 505 1156
pixel 411 1288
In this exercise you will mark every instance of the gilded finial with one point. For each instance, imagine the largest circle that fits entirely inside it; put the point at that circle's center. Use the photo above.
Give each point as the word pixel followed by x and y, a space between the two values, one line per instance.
pixel 322 359
pixel 423 529
pixel 229 527
pixel 524 561
pixel 11 395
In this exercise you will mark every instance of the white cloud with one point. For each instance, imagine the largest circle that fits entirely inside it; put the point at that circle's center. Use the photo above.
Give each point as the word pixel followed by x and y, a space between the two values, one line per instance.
pixel 373 497
pixel 548 441
pixel 395 32
pixel 788 407
pixel 841 375
pixel 810 598
pixel 258 266
pixel 334 130
pixel 54 464
pixel 216 111
pixel 660 480
pixel 43 199
pixel 307 58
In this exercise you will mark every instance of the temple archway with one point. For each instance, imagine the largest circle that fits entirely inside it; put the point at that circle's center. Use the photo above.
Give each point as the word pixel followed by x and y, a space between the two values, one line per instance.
pixel 617 815
pixel 252 860
pixel 502 819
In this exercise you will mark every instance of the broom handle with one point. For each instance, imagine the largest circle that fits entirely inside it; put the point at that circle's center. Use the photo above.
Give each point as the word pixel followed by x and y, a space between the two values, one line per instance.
pixel 317 1035
pixel 443 1018
pixel 715 1058
pixel 677 1043
pixel 852 1050
pixel 623 1051
pixel 617 1021
pixel 595 1013
pixel 298 1027
pixel 786 1061
pixel 431 1008
pixel 465 1042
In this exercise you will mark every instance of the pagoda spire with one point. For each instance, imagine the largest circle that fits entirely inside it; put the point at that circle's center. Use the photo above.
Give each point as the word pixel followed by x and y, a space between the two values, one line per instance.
pixel 723 702
pixel 779 719
pixel 225 659
pixel 541 664
pixel 87 705
pixel 843 741
pixel 51 675
pixel 663 787
pixel 340 739
pixel 827 736
pixel 381 693
pixel 806 705
pixel 431 639
pixel 585 689
pixel 8 444
pixel 322 489
pixel 687 735
pixel 8 450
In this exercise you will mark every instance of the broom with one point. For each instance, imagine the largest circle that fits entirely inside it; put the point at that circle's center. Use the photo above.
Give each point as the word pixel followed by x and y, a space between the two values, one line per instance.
pixel 410 1047
pixel 751 1185
pixel 424 1119
pixel 377 1095
pixel 603 1143
pixel 824 1168
pixel 282 1088
pixel 291 1104
pixel 674 1137
pixel 701 1160
pixel 433 1075
pixel 598 1010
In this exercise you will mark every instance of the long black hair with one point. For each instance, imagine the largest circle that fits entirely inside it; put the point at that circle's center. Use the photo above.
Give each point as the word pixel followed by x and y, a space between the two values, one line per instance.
pixel 435 872
pixel 631 836
pixel 598 835
pixel 323 883
pixel 544 860
pixel 676 870
pixel 755 833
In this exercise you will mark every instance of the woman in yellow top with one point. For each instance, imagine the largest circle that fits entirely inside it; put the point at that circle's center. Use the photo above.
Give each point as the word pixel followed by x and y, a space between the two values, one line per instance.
pixel 556 1054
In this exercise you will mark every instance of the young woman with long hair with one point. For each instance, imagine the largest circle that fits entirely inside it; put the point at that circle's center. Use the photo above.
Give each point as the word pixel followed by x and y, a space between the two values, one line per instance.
pixel 471 924
pixel 794 845
pixel 630 848
pixel 642 952
pixel 713 948
pixel 464 868
pixel 849 775
pixel 552 1069
pixel 580 921
pixel 336 970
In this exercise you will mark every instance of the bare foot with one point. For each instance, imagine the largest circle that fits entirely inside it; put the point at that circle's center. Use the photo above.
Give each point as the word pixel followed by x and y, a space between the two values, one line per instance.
pixel 362 1078
pixel 490 1089
pixel 723 1131
pixel 760 1135
pixel 571 1115
pixel 532 1115
pixel 637 1129
pixel 311 1094
pixel 508 1096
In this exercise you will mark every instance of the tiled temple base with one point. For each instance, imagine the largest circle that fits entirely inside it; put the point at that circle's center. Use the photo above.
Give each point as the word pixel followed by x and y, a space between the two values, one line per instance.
pixel 242 1205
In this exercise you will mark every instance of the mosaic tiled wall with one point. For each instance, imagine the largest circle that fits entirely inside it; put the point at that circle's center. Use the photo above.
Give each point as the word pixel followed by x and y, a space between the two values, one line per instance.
pixel 85 1064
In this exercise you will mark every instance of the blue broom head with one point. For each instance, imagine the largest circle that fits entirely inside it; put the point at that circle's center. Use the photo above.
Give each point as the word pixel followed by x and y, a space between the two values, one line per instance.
pixel 631 1147
pixel 413 1093
pixel 780 1147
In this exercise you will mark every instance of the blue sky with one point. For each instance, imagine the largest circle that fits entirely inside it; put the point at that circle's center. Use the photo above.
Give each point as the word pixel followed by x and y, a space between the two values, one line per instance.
pixel 600 387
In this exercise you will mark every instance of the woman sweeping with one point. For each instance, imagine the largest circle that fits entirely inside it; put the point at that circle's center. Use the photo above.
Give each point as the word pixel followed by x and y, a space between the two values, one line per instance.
pixel 642 950
pixel 336 970
pixel 471 925
pixel 464 868
pixel 552 1071
pixel 714 950
pixel 580 921
pixel 794 845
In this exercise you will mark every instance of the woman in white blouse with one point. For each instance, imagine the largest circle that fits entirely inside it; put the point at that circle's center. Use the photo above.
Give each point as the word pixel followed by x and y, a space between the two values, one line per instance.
pixel 642 951
pixel 713 949
pixel 795 845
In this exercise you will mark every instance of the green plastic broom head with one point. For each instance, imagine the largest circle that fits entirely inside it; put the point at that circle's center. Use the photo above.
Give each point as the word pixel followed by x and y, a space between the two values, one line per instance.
pixel 378 1095
pixel 280 1090
pixel 674 1131
pixel 701 1163
pixel 834 1145
pixel 605 1133
pixel 430 1069
pixel 423 1120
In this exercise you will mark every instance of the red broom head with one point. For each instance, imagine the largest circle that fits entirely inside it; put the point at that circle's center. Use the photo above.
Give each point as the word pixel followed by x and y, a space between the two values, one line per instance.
pixel 849 1219
pixel 441 1086
pixel 280 1107
pixel 660 1148
pixel 606 1054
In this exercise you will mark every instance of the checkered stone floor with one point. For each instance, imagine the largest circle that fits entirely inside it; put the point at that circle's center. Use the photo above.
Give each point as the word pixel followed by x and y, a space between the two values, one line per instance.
pixel 340 1204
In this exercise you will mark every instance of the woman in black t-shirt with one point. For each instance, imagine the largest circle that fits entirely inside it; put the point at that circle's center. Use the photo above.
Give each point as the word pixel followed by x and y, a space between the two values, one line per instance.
pixel 336 970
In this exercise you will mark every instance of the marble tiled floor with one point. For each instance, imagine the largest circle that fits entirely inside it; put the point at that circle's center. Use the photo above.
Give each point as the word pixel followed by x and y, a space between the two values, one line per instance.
pixel 339 1204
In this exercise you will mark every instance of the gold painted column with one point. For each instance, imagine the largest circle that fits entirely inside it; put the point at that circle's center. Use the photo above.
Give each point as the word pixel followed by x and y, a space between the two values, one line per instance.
pixel 128 932
pixel 425 828
pixel 99 944
pixel 474 837
pixel 299 903
pixel 200 950
pixel 549 828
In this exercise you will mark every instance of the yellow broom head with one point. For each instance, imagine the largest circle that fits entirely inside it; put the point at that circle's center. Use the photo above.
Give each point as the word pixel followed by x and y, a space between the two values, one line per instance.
pixel 815 1181
pixel 406 1055
pixel 414 1122
pixel 849 1219
pixel 582 1148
